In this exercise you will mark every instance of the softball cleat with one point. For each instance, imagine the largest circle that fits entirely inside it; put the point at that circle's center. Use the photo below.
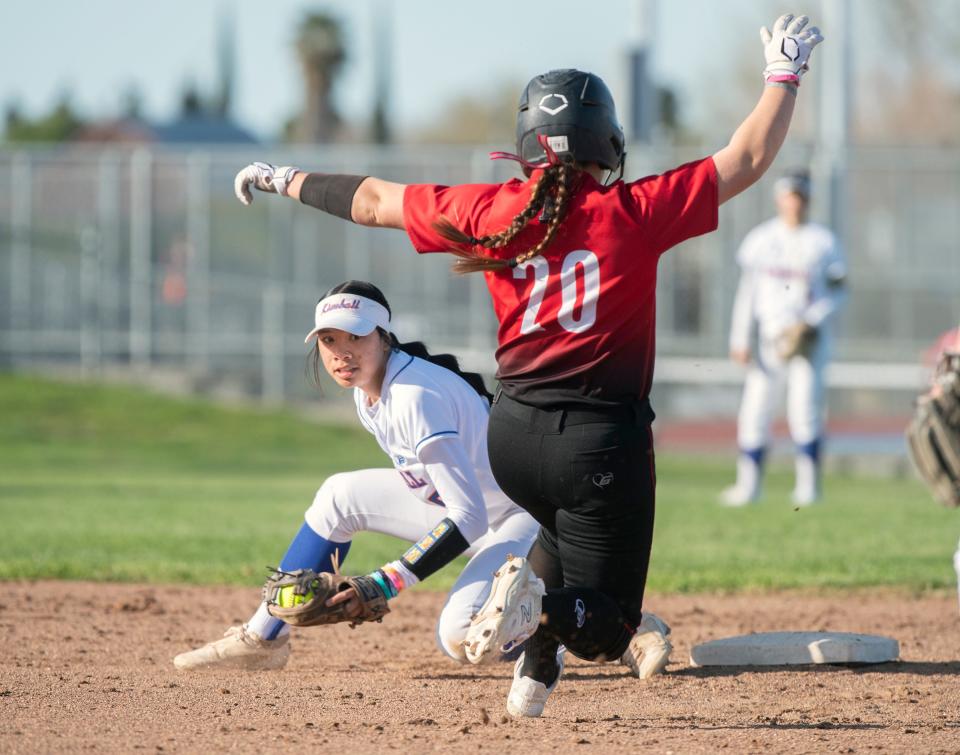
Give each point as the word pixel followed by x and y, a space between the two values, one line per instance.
pixel 736 496
pixel 805 497
pixel 649 650
pixel 527 696
pixel 510 614
pixel 238 649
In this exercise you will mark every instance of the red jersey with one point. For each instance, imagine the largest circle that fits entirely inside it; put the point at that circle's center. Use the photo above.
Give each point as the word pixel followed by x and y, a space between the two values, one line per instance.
pixel 577 323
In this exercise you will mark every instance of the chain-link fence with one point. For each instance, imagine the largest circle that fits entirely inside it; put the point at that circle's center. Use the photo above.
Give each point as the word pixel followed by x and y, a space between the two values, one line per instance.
pixel 143 260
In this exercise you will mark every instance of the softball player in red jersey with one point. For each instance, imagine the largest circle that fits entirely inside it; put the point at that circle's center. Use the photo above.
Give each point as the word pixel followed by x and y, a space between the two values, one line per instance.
pixel 570 262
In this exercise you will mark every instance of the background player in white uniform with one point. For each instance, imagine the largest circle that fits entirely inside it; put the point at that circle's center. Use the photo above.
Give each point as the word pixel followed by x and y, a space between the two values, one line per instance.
pixel 440 494
pixel 791 287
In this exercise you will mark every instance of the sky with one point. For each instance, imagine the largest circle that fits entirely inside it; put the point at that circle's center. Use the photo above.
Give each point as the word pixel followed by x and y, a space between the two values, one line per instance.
pixel 97 49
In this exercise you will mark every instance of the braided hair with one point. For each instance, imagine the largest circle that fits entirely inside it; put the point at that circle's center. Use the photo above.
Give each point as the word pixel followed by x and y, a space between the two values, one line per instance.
pixel 550 197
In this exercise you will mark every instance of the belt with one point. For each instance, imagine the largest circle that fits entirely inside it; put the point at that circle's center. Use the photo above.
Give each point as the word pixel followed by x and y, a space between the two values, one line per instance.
pixel 538 419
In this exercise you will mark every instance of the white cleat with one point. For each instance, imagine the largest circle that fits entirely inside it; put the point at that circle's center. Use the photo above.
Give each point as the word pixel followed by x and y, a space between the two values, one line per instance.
pixel 805 497
pixel 239 649
pixel 528 697
pixel 737 496
pixel 649 650
pixel 510 614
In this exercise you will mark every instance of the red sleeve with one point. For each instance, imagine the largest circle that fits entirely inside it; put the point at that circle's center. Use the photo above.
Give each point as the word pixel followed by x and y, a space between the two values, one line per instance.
pixel 424 204
pixel 678 205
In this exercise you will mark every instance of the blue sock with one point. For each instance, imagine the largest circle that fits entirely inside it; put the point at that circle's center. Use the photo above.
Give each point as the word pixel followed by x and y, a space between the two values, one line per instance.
pixel 310 551
pixel 811 449
pixel 755 454
pixel 307 551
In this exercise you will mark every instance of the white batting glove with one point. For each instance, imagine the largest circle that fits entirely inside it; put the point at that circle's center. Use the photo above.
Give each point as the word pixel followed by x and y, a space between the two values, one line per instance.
pixel 263 177
pixel 787 49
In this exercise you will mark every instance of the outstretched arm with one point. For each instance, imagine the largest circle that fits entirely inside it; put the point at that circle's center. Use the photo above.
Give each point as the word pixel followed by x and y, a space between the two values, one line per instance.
pixel 375 202
pixel 754 145
pixel 757 141
pixel 363 199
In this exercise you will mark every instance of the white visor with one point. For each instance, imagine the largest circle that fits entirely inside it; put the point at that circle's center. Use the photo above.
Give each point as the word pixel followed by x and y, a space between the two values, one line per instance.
pixel 355 314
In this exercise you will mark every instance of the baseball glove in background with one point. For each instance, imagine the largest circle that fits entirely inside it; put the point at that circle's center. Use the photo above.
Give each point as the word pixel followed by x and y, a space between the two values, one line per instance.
pixel 934 434
pixel 796 340
pixel 300 598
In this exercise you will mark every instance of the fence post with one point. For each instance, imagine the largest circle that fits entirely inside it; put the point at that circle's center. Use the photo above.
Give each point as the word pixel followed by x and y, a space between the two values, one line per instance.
pixel 483 170
pixel 90 326
pixel 356 250
pixel 357 246
pixel 21 237
pixel 108 225
pixel 272 350
pixel 198 262
pixel 141 258
pixel 280 221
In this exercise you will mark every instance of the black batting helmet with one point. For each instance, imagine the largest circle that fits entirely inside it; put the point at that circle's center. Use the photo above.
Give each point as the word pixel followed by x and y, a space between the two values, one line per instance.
pixel 575 111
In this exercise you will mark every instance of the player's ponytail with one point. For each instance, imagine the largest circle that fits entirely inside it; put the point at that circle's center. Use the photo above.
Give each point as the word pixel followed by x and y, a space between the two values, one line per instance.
pixel 550 198
pixel 448 361
pixel 414 348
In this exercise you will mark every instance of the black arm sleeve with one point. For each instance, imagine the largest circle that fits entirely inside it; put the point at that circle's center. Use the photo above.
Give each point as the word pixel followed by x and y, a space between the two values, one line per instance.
pixel 331 192
pixel 435 550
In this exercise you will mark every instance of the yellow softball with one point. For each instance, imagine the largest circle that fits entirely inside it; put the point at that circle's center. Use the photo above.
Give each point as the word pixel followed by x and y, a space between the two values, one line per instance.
pixel 287 597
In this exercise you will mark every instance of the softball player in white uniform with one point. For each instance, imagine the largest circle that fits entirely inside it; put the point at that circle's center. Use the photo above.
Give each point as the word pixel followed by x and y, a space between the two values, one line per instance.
pixel 792 281
pixel 440 494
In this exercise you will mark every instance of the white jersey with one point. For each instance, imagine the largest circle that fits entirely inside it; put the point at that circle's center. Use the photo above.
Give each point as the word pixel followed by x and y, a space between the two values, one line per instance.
pixel 420 403
pixel 789 275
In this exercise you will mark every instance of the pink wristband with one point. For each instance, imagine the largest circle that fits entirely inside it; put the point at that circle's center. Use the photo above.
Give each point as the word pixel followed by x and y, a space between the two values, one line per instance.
pixel 791 77
pixel 394 576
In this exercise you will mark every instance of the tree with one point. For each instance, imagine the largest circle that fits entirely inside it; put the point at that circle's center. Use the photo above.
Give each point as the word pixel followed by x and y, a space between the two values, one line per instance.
pixel 467 119
pixel 58 125
pixel 321 51
pixel 910 88
pixel 131 103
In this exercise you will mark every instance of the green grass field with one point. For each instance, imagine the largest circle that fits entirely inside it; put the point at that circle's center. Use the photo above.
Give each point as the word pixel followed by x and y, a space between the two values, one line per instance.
pixel 111 483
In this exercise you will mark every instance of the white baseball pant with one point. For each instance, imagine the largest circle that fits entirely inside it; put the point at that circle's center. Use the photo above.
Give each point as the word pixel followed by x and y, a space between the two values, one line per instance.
pixel 766 378
pixel 377 500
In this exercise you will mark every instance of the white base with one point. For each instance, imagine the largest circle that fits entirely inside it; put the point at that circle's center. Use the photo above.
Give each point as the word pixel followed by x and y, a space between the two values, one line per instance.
pixel 795 648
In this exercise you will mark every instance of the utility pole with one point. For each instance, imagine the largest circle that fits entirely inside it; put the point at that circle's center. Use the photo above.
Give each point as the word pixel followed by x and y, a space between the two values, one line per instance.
pixel 643 105
pixel 382 60
pixel 836 106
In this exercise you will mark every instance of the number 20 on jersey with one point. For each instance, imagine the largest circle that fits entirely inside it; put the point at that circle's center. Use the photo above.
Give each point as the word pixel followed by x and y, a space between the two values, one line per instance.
pixel 577 266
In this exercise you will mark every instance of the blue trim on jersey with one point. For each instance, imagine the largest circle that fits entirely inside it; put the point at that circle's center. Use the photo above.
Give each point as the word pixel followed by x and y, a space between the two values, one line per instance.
pixel 416 448
pixel 388 379
pixel 395 374
pixel 366 422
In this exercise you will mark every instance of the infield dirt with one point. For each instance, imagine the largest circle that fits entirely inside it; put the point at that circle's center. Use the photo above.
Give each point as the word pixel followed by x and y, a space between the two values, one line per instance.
pixel 87 667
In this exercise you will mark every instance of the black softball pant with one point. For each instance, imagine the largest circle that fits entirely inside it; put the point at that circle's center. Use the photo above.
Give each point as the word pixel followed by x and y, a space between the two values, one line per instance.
pixel 587 476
